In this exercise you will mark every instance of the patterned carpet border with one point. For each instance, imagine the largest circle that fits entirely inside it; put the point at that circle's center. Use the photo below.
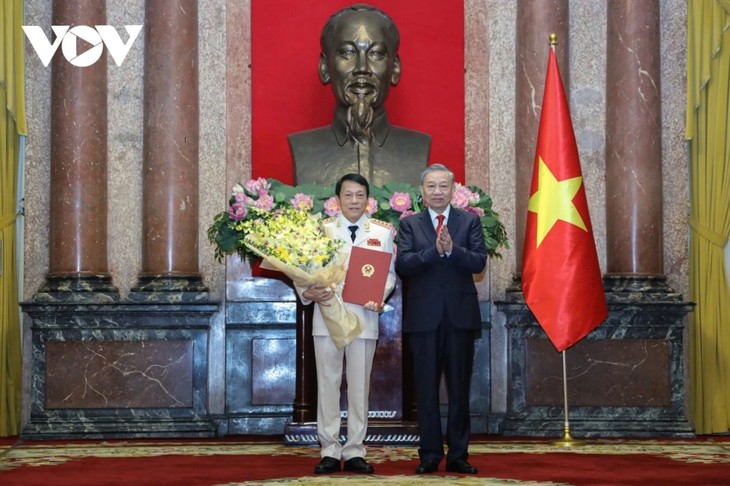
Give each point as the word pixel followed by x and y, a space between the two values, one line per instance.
pixel 686 460
pixel 38 453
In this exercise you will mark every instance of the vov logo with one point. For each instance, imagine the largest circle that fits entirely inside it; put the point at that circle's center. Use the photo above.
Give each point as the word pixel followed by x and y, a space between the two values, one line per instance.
pixel 67 38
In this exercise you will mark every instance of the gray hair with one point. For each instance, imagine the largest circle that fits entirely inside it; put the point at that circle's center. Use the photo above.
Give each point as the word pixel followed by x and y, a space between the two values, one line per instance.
pixel 436 168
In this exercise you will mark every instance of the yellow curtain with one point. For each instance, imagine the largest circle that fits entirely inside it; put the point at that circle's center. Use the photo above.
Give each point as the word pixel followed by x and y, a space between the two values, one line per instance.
pixel 708 130
pixel 12 126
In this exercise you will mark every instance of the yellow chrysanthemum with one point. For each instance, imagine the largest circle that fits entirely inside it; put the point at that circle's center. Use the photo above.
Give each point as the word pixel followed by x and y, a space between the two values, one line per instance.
pixel 295 237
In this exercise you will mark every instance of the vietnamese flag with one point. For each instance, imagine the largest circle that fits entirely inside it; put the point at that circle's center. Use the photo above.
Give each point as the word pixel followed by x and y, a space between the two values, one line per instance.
pixel 561 278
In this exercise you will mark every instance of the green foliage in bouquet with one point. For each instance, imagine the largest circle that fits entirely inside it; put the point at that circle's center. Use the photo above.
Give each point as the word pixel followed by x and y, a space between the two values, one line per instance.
pixel 259 200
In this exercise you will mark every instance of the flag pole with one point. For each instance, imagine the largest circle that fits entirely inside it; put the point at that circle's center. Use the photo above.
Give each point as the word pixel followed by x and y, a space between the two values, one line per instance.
pixel 568 250
pixel 567 440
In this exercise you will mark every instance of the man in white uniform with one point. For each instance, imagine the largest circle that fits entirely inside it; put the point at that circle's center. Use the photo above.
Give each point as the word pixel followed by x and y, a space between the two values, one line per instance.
pixel 353 227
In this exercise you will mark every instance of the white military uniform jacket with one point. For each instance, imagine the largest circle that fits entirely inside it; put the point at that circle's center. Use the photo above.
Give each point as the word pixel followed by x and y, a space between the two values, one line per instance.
pixel 374 235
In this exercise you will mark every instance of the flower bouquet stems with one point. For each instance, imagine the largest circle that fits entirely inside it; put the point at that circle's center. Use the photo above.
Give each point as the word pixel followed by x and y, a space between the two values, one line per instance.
pixel 343 325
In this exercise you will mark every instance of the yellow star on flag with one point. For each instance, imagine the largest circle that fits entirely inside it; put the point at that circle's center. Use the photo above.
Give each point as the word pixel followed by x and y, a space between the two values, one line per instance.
pixel 553 201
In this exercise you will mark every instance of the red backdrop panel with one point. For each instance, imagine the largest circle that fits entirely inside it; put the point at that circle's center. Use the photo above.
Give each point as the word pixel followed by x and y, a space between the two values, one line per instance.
pixel 287 95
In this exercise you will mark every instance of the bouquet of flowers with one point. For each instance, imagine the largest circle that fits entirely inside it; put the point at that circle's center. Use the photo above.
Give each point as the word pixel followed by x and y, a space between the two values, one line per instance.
pixel 281 224
pixel 255 203
pixel 292 242
pixel 265 220
pixel 259 199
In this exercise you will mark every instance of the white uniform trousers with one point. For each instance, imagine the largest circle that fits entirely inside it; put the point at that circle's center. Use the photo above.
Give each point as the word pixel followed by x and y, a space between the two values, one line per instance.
pixel 359 355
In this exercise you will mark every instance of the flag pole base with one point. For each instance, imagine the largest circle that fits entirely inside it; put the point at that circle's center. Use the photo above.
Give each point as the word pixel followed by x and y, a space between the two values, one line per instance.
pixel 567 440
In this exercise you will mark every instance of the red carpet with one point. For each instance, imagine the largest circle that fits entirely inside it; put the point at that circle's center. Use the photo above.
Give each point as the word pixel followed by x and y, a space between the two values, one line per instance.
pixel 703 461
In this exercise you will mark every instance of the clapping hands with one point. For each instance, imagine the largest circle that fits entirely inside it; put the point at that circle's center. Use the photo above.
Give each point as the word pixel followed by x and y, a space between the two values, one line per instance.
pixel 444 244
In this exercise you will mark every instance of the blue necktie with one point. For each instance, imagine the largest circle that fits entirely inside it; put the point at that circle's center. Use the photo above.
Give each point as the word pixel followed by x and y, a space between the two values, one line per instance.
pixel 353 230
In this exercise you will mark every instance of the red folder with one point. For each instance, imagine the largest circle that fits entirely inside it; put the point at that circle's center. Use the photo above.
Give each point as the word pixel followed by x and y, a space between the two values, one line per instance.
pixel 366 276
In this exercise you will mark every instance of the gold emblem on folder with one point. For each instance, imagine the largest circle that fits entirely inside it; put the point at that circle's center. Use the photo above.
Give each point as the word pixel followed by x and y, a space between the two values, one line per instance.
pixel 367 270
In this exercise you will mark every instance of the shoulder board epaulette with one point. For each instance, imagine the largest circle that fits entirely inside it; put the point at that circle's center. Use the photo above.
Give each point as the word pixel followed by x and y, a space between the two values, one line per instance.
pixel 384 224
pixel 331 219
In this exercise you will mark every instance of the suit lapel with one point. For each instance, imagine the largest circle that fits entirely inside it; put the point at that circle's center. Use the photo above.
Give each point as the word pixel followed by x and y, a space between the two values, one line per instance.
pixel 424 222
pixel 429 231
pixel 343 231
pixel 454 221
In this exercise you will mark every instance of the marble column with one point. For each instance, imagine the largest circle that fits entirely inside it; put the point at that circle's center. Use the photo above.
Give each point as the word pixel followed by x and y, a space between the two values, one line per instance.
pixel 633 140
pixel 641 341
pixel 170 189
pixel 78 265
pixel 535 21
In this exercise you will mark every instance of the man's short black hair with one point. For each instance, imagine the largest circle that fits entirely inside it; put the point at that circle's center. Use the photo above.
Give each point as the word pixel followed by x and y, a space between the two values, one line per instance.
pixel 356 178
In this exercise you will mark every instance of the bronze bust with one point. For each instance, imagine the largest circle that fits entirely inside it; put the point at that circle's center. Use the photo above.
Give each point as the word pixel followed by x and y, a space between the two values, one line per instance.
pixel 360 58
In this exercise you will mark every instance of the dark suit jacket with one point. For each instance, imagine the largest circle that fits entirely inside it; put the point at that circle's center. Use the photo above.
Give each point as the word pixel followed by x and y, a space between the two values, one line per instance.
pixel 435 283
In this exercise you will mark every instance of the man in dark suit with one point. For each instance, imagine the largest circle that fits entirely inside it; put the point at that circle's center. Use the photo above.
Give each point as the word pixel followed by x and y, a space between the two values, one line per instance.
pixel 439 250
pixel 360 59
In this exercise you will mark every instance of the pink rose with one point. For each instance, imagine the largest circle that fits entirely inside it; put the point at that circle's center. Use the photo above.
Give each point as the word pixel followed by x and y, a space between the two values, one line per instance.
pixel 265 202
pixel 332 207
pixel 461 196
pixel 237 211
pixel 258 186
pixel 242 198
pixel 400 201
pixel 302 202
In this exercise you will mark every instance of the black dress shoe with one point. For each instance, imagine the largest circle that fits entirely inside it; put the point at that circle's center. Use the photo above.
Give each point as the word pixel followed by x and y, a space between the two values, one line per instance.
pixel 358 465
pixel 461 466
pixel 427 467
pixel 327 465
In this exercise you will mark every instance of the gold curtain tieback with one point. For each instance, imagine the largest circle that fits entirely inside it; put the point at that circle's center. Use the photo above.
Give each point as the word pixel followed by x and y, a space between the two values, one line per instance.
pixel 7 221
pixel 707 233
